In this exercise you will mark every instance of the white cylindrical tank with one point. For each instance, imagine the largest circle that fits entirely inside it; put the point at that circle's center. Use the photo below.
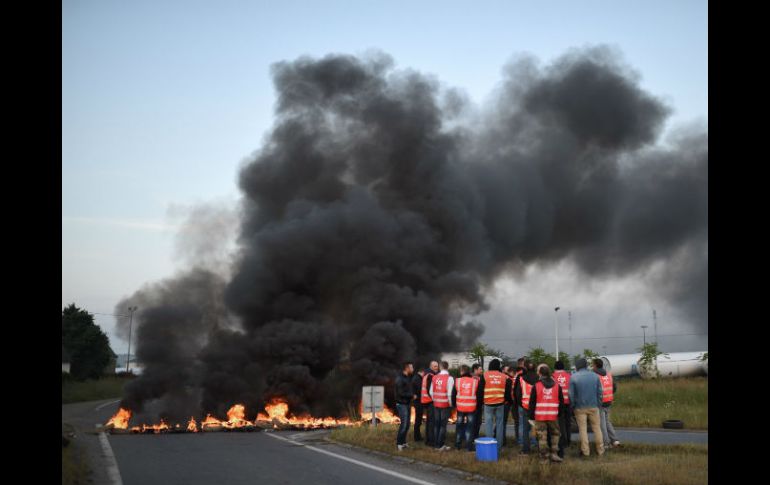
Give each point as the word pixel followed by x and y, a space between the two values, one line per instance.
pixel 621 365
pixel 676 364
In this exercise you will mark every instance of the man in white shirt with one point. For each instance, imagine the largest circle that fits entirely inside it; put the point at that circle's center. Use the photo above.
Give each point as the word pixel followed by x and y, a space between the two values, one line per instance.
pixel 441 392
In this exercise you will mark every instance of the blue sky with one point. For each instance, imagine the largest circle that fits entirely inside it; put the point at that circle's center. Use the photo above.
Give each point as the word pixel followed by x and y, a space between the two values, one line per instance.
pixel 162 101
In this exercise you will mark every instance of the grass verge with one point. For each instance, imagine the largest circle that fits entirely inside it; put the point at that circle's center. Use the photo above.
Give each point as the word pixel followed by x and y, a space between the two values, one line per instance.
pixel 92 390
pixel 633 464
pixel 647 403
pixel 74 469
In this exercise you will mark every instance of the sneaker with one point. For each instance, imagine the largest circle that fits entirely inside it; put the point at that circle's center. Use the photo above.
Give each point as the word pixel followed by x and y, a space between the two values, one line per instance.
pixel 446 448
pixel 616 443
pixel 400 447
pixel 556 458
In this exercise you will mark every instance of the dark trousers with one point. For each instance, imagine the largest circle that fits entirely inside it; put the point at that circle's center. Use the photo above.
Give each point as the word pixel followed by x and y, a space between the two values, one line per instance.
pixel 515 415
pixel 506 412
pixel 466 430
pixel 440 419
pixel 418 410
pixel 565 429
pixel 403 428
pixel 430 436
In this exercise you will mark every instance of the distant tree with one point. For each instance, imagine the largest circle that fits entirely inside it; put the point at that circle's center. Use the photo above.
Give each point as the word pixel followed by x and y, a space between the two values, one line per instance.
pixel 538 355
pixel 704 357
pixel 650 354
pixel 587 354
pixel 480 350
pixel 88 347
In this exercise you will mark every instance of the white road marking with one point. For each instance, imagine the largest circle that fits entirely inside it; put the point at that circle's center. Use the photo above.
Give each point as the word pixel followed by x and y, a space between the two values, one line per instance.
pixel 105 404
pixel 112 464
pixel 351 460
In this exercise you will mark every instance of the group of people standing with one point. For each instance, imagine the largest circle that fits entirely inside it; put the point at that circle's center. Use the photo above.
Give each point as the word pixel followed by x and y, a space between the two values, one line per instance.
pixel 540 401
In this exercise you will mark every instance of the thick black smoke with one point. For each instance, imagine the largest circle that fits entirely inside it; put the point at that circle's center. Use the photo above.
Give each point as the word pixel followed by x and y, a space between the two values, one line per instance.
pixel 373 219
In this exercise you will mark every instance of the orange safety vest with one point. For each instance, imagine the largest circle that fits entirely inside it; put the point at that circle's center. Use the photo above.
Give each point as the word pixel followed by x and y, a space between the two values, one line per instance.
pixel 440 395
pixel 547 405
pixel 526 390
pixel 466 394
pixel 562 377
pixel 494 387
pixel 606 388
pixel 425 395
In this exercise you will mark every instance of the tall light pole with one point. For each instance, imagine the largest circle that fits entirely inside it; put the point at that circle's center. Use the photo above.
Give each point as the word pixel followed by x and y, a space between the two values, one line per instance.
pixel 655 323
pixel 569 317
pixel 556 328
pixel 131 311
pixel 644 334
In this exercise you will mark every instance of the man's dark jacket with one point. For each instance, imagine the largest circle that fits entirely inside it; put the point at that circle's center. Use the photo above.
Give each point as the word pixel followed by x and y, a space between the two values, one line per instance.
pixel 403 389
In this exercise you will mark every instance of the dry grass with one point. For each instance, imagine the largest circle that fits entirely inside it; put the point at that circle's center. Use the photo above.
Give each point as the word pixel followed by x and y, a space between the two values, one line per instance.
pixel 630 465
pixel 647 403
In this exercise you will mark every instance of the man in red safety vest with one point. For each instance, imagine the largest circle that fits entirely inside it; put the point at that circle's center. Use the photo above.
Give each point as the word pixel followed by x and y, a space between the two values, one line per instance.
pixel 441 392
pixel 522 389
pixel 608 395
pixel 465 398
pixel 545 403
pixel 427 402
pixel 562 378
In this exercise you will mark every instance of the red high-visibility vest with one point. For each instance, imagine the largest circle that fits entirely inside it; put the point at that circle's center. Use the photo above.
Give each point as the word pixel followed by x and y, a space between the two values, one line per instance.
pixel 526 390
pixel 547 405
pixel 518 373
pixel 606 388
pixel 424 394
pixel 494 387
pixel 562 378
pixel 440 395
pixel 466 394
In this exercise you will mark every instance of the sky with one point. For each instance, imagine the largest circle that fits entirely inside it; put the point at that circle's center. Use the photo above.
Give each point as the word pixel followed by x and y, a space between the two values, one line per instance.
pixel 162 102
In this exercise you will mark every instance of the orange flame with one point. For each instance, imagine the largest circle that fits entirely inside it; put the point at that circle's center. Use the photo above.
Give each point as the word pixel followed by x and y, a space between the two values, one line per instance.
pixel 192 426
pixel 120 419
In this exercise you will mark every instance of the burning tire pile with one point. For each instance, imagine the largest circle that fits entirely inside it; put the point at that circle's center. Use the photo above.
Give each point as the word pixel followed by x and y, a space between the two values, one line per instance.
pixel 277 416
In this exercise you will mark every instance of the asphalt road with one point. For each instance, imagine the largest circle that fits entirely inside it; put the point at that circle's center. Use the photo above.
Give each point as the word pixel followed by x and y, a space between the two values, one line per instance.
pixel 286 457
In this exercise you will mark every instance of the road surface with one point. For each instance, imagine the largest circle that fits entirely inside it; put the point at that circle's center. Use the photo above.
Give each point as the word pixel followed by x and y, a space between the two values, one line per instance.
pixel 286 457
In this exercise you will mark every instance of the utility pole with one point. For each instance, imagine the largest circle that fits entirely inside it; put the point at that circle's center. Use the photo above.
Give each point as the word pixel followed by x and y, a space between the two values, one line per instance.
pixel 131 311
pixel 655 324
pixel 556 328
pixel 569 317
pixel 644 334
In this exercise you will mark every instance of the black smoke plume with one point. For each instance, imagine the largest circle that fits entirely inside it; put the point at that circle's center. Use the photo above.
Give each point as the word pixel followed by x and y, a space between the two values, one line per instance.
pixel 378 210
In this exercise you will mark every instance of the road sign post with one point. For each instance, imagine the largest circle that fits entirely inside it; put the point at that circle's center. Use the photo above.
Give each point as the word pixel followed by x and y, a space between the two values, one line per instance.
pixel 373 401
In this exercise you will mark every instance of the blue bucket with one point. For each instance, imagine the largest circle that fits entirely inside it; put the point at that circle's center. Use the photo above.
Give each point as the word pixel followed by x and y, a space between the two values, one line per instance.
pixel 486 449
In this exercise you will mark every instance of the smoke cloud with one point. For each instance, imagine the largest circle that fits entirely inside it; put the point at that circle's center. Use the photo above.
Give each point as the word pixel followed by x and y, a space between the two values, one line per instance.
pixel 376 216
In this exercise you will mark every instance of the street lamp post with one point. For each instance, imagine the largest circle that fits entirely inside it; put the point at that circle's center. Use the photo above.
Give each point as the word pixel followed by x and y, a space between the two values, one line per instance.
pixel 131 311
pixel 644 334
pixel 556 329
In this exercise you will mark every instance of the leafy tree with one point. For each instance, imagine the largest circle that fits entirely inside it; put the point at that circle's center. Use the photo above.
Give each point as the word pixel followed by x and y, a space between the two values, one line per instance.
pixel 480 350
pixel 88 347
pixel 587 354
pixel 649 357
pixel 704 357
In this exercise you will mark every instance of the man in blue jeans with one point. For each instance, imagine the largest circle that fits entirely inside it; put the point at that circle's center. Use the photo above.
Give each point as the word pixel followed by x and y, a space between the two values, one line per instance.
pixel 521 392
pixel 404 395
pixel 497 390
